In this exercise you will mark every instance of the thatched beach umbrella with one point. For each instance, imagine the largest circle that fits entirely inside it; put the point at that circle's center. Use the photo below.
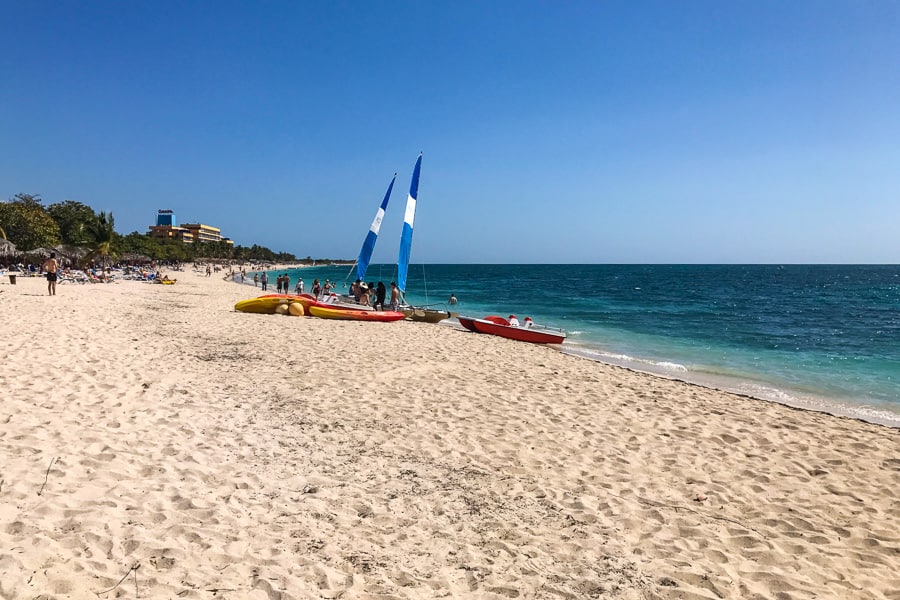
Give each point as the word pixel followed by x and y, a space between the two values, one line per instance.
pixel 134 257
pixel 39 252
pixel 72 254
pixel 7 248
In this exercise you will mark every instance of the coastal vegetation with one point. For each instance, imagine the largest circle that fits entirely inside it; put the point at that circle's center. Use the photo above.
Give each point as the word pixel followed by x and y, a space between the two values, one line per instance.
pixel 29 225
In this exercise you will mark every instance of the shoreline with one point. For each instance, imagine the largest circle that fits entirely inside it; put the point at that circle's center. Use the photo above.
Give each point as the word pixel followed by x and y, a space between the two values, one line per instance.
pixel 299 457
pixel 768 377
pixel 886 416
pixel 760 389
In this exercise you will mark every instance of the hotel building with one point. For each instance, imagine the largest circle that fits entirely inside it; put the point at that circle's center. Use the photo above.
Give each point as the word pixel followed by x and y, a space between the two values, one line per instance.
pixel 167 227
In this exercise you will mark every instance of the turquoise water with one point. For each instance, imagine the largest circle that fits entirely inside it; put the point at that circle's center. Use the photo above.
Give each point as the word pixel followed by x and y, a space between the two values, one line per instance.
pixel 819 336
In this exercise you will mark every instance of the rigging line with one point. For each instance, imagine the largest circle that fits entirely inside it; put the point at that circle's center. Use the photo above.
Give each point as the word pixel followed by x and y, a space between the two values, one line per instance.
pixel 353 266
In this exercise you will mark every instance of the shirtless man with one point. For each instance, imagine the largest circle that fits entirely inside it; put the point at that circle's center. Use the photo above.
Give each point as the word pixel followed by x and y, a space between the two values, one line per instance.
pixel 395 296
pixel 51 267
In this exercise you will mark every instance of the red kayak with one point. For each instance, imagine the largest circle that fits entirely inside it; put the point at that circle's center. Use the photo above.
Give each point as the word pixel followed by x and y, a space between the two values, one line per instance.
pixel 349 314
pixel 495 325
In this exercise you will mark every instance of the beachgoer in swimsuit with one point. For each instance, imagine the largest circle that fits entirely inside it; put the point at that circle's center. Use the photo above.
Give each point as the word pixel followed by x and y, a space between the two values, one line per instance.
pixel 395 296
pixel 51 267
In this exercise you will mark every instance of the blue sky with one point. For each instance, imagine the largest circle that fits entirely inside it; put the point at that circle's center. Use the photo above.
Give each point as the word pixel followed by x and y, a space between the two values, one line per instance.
pixel 556 132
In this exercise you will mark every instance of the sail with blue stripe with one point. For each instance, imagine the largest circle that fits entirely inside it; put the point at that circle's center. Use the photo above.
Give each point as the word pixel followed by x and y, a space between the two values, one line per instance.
pixel 365 253
pixel 409 217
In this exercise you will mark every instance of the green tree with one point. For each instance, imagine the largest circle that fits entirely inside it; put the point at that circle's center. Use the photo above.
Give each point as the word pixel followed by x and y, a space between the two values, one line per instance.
pixel 74 219
pixel 101 234
pixel 134 243
pixel 26 222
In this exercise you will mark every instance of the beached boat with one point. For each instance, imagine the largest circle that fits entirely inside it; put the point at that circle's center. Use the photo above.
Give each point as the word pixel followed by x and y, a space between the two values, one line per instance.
pixel 495 325
pixel 425 315
pixel 350 314
pixel 415 313
pixel 467 322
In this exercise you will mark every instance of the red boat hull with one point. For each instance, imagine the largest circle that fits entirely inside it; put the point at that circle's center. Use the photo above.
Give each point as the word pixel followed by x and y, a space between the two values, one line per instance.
pixel 499 326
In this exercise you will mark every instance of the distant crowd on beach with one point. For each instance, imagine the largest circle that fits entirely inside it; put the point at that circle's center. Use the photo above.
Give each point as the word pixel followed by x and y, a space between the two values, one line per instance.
pixel 365 294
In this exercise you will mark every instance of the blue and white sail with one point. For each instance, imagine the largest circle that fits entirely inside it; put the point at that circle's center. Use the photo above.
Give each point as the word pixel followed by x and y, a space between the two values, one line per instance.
pixel 406 236
pixel 365 253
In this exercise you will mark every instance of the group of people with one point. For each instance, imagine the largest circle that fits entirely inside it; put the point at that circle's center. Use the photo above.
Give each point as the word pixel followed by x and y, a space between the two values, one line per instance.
pixel 320 290
pixel 283 283
pixel 370 294
pixel 365 294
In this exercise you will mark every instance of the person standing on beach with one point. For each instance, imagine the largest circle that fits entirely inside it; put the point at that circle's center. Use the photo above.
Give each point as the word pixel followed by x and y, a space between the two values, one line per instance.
pixel 380 293
pixel 255 279
pixel 364 295
pixel 51 267
pixel 264 280
pixel 395 296
pixel 299 288
pixel 286 283
pixel 316 289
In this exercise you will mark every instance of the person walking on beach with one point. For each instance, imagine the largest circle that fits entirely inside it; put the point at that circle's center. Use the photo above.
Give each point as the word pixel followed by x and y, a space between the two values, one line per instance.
pixel 51 267
pixel 255 279
pixel 264 280
pixel 316 289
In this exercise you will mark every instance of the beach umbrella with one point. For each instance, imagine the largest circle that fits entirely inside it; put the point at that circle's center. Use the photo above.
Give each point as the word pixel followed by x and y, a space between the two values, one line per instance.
pixel 72 253
pixel 69 254
pixel 38 252
pixel 135 257
pixel 7 248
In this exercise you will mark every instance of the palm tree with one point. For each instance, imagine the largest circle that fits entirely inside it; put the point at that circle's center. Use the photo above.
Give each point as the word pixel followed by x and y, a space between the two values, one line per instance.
pixel 100 236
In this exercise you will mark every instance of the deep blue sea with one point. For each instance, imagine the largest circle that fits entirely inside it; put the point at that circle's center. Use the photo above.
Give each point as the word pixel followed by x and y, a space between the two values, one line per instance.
pixel 819 336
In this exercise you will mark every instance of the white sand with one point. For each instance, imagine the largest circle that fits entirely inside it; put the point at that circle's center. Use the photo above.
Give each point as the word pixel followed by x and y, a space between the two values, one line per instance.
pixel 149 432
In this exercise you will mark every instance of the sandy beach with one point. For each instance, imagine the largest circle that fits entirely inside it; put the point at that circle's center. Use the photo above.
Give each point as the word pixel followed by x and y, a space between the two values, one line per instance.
pixel 156 444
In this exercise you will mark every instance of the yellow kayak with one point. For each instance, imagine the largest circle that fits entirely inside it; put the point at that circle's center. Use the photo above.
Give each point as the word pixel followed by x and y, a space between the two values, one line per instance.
pixel 263 306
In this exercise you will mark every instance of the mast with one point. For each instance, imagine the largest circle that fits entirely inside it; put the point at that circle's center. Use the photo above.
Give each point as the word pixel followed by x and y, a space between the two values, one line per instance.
pixel 365 253
pixel 409 217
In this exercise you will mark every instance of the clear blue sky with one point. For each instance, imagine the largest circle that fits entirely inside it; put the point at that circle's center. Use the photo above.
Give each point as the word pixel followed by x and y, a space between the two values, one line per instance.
pixel 596 132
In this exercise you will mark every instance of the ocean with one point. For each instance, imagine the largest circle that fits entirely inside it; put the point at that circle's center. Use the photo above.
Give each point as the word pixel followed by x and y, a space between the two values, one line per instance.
pixel 825 337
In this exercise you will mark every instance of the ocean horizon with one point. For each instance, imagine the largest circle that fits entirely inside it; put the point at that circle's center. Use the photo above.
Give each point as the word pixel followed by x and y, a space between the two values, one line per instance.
pixel 822 337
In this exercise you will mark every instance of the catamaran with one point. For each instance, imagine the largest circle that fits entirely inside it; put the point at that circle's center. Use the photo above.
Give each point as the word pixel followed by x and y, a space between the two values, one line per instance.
pixel 416 313
pixel 365 253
